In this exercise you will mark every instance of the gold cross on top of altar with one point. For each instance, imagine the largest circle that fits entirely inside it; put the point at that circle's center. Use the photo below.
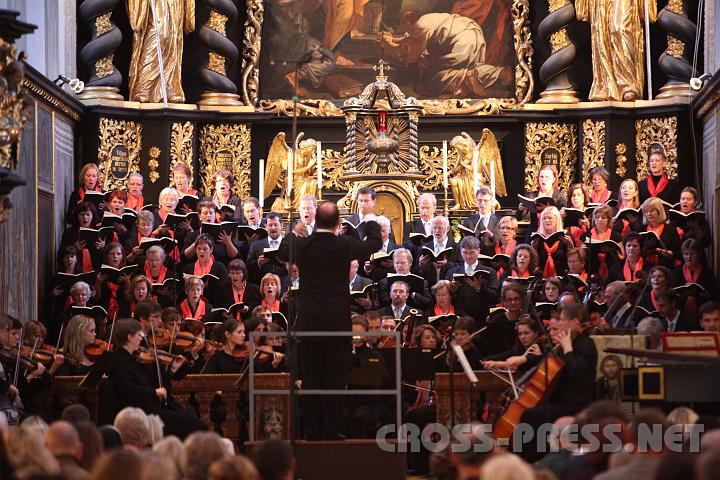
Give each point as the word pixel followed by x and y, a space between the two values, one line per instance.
pixel 380 68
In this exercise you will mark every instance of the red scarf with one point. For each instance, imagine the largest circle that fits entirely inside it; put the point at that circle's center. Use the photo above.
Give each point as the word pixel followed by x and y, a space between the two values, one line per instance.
pixel 507 249
pixel 275 307
pixel 654 191
pixel 652 299
pixel 627 274
pixel 602 257
pixel 601 197
pixel 81 192
pixel 576 233
pixel 691 302
pixel 549 270
pixel 524 275
pixel 438 311
pixel 134 204
pixel 198 271
pixel 161 275
pixel 113 303
pixel 187 312
pixel 654 258
pixel 87 265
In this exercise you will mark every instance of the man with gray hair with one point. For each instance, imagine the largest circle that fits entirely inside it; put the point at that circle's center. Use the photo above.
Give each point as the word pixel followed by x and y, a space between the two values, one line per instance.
pixel 439 255
pixel 615 294
pixel 483 224
pixel 420 228
pixel 419 295
pixel 474 295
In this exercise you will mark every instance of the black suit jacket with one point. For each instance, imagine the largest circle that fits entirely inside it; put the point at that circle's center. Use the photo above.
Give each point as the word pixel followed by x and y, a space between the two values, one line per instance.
pixel 131 384
pixel 476 303
pixel 471 222
pixel 389 311
pixel 429 273
pixel 421 300
pixel 255 271
pixel 323 300
pixel 355 220
pixel 357 285
pixel 378 273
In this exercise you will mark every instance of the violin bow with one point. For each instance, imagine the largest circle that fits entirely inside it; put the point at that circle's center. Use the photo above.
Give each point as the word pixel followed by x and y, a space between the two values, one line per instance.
pixel 157 362
pixel 17 360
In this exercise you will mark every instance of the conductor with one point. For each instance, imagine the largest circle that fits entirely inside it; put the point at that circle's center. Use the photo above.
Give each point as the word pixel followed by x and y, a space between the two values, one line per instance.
pixel 323 304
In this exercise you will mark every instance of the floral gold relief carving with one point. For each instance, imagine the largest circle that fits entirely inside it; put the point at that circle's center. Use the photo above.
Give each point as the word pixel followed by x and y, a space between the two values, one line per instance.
pixel 226 146
pixel 119 151
pixel 154 163
pixel 593 147
pixel 550 143
pixel 620 159
pixel 660 131
pixel 181 147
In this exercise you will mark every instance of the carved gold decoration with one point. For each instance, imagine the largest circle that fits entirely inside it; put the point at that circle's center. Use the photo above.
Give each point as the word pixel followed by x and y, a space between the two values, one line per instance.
pixel 556 4
pixel 104 67
pixel 593 147
pixel 251 52
pixel 153 163
pixel 181 138
pixel 50 98
pixel 431 165
pixel 559 40
pixel 524 82
pixel 217 22
pixel 540 138
pixel 675 47
pixel 662 131
pixel 620 159
pixel 115 133
pixel 216 63
pixel 102 24
pixel 226 146
pixel 13 112
pixel 405 190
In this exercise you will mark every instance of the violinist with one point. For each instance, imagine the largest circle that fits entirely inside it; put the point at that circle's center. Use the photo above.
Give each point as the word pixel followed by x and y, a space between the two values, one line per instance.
pixel 266 362
pixel 464 327
pixel 232 358
pixel 195 306
pixel 34 341
pixel 79 333
pixel 501 334
pixel 135 386
pixel 575 387
pixel 32 378
pixel 239 289
pixel 200 351
pixel 527 351
pixel 136 291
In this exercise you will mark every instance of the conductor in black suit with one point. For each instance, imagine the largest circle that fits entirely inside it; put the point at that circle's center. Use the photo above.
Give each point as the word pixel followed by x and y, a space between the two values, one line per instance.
pixel 323 304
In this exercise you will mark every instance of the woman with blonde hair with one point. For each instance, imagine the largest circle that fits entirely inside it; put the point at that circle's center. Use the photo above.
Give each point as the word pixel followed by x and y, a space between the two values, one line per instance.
pixel 667 250
pixel 79 333
pixel 88 180
pixel 270 291
pixel 553 254
pixel 628 197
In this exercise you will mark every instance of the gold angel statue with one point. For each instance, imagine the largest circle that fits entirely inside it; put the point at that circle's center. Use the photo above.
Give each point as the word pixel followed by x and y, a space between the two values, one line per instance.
pixel 461 175
pixel 304 170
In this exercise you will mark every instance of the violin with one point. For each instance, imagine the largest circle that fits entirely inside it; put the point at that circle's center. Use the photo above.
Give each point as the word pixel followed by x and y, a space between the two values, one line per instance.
pixel 10 356
pixel 95 350
pixel 241 352
pixel 160 338
pixel 147 356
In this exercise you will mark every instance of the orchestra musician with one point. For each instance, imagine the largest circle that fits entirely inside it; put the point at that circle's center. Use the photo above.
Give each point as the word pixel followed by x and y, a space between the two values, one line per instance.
pixel 575 387
pixel 230 358
pixel 527 351
pixel 78 334
pixel 135 386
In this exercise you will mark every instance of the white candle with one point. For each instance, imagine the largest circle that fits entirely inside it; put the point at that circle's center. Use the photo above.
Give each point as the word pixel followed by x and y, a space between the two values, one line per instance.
pixel 445 163
pixel 290 167
pixel 319 168
pixel 492 177
pixel 476 179
pixel 261 183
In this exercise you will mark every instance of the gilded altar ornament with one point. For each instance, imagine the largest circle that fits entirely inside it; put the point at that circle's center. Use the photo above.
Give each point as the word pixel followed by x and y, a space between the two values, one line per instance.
pixel 461 174
pixel 593 147
pixel 304 170
pixel 173 17
pixel 153 163
pixel 226 146
pixel 550 143
pixel 618 46
pixel 656 131
pixel 15 103
pixel 181 147
pixel 119 151
pixel 620 159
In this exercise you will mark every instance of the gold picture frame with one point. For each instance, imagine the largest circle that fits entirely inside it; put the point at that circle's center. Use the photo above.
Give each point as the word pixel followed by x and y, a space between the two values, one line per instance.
pixel 524 82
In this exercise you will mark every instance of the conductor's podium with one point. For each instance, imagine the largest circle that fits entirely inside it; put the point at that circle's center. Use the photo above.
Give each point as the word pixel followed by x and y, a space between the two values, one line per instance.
pixel 196 392
pixel 466 396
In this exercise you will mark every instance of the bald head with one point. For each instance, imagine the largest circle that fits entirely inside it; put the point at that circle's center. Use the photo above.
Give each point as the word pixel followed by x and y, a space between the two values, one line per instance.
pixel 62 438
pixel 327 216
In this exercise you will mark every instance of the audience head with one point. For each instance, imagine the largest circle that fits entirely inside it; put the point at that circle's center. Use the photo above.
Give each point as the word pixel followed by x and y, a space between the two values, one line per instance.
pixel 92 443
pixel 118 464
pixel 274 460
pixel 234 468
pixel 134 428
pixel 172 448
pixel 202 449
pixel 76 412
pixel 61 438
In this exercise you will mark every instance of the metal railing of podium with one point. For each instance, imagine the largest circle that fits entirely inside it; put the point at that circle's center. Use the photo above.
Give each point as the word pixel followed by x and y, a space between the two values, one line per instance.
pixel 397 391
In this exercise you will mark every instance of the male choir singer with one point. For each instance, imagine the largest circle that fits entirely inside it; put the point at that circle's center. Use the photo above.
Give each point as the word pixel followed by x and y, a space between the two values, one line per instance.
pixel 323 304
